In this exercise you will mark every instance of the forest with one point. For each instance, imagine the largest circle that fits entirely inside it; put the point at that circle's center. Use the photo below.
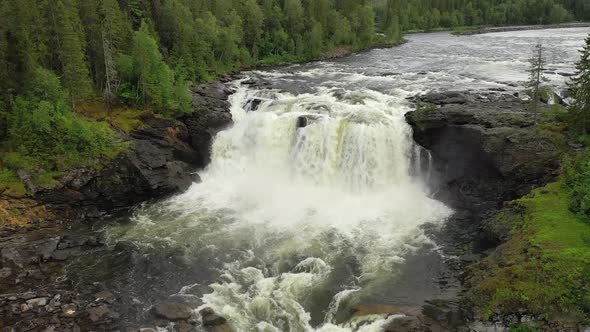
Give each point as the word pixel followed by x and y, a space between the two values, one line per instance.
pixel 59 58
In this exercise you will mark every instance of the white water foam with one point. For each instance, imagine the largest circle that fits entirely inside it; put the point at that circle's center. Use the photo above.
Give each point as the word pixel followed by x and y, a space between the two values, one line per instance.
pixel 305 223
pixel 345 175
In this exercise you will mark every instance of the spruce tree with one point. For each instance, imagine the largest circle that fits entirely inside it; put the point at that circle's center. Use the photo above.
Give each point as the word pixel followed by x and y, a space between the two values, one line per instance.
pixel 70 44
pixel 579 111
pixel 536 77
pixel 115 32
pixel 392 27
pixel 156 85
pixel 252 25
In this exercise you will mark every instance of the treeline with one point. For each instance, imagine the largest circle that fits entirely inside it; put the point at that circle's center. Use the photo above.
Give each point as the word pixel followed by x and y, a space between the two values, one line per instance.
pixel 144 51
pixel 407 15
pixel 57 56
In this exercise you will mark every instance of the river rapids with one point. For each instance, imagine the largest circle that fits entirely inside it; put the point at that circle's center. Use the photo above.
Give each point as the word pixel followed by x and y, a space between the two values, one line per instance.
pixel 315 198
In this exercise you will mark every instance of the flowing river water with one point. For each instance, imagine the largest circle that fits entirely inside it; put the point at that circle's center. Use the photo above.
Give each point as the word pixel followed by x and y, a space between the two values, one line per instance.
pixel 314 202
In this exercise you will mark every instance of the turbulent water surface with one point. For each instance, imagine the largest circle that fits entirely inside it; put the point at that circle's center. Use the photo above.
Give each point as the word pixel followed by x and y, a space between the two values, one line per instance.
pixel 294 226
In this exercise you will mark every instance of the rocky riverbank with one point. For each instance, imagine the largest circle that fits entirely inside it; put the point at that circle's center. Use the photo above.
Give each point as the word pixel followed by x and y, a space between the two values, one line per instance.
pixel 487 152
pixel 486 149
pixel 522 27
pixel 161 159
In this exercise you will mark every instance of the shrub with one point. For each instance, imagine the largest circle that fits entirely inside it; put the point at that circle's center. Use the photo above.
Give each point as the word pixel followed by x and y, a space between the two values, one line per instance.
pixel 42 125
pixel 577 179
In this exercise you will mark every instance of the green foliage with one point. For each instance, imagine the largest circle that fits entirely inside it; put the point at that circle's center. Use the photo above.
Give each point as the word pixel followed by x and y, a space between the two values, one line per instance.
pixel 577 179
pixel 42 125
pixel 70 44
pixel 149 80
pixel 543 268
pixel 522 328
pixel 556 113
pixel 10 182
pixel 579 112
pixel 428 15
pixel 45 133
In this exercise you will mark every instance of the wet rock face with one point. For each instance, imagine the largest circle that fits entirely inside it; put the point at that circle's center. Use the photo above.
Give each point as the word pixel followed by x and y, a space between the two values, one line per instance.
pixel 485 149
pixel 211 115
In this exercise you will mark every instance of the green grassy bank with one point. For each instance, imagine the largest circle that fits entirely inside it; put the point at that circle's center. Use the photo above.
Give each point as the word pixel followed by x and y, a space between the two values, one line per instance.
pixel 543 267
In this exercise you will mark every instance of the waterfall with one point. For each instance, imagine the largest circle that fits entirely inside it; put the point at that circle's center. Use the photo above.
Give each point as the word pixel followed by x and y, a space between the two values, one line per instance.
pixel 333 161
pixel 310 204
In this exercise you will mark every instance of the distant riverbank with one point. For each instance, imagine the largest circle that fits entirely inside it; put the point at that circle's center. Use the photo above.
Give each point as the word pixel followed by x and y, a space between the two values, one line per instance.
pixel 479 31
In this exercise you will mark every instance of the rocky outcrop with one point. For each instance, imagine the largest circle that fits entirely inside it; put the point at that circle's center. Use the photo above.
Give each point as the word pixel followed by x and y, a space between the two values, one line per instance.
pixel 158 162
pixel 210 115
pixel 486 149
pixel 161 160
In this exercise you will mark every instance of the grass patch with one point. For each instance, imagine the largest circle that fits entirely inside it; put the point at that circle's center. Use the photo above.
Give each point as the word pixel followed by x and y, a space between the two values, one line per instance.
pixel 554 132
pixel 421 114
pixel 513 119
pixel 544 267
pixel 124 118
pixel 11 184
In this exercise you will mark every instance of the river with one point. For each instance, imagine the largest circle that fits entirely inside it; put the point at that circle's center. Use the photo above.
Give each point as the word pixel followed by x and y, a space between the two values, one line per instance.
pixel 314 204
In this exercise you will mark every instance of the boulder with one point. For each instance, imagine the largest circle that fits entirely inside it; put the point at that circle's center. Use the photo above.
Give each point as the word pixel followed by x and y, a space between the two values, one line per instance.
pixel 172 311
pixel 101 313
pixel 38 302
pixel 405 324
pixel 210 318
pixel 254 104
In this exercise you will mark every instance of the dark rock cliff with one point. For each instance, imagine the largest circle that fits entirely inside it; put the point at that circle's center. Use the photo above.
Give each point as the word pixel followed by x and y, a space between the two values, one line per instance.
pixel 161 159
pixel 486 149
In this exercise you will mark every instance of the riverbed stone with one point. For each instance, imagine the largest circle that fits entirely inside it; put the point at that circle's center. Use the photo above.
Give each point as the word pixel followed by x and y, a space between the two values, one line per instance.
pixel 105 296
pixel 37 302
pixel 69 310
pixel 97 313
pixel 210 318
pixel 172 311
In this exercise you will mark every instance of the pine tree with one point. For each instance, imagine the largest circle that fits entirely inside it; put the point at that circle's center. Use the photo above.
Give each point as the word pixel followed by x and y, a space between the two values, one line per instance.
pixel 70 44
pixel 294 21
pixel 252 25
pixel 392 27
pixel 536 77
pixel 579 111
pixel 27 43
pixel 155 81
pixel 314 40
pixel 114 33
pixel 154 77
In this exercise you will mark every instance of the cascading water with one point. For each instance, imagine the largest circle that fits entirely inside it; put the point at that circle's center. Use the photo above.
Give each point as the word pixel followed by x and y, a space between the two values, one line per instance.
pixel 309 206
pixel 313 215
